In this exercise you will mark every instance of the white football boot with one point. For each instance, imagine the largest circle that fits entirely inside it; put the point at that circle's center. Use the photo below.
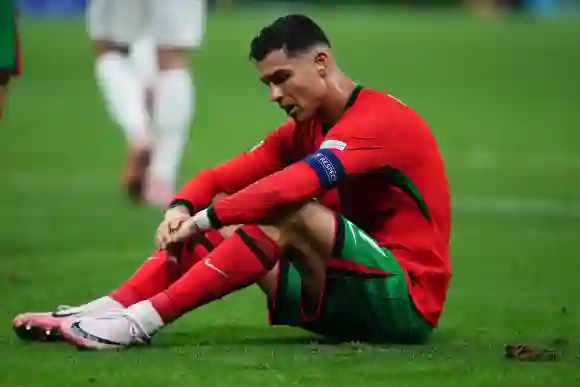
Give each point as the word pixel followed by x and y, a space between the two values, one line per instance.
pixel 45 326
pixel 112 330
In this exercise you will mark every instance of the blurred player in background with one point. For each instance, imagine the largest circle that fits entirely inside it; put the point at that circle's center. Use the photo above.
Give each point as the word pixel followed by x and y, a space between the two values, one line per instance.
pixel 141 66
pixel 9 48
pixel 344 214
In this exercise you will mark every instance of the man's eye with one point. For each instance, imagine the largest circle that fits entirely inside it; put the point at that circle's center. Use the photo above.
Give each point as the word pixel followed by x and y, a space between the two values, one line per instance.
pixel 279 79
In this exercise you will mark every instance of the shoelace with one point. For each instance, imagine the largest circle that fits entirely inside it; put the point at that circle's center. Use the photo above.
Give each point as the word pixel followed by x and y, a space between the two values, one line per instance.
pixel 136 330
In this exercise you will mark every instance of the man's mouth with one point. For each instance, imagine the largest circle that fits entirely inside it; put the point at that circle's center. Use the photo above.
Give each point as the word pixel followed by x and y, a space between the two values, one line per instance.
pixel 290 110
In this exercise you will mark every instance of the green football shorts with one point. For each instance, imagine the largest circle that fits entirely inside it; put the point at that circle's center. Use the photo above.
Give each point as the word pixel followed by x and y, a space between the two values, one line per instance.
pixel 373 306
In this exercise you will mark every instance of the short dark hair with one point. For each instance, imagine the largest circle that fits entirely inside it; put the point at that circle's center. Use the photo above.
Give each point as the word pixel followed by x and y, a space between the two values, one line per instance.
pixel 293 33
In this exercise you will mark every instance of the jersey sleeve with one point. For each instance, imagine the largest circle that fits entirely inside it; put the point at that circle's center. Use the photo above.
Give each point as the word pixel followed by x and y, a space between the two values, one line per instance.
pixel 360 143
pixel 271 155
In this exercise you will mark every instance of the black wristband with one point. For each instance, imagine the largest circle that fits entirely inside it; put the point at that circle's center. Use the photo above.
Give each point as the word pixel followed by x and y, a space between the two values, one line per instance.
pixel 213 219
pixel 182 203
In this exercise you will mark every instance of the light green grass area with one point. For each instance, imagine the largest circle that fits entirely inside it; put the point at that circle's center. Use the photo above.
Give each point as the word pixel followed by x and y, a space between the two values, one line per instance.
pixel 501 96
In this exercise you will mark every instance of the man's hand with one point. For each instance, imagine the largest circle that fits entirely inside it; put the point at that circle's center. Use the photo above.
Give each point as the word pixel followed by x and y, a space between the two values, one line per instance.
pixel 183 231
pixel 174 218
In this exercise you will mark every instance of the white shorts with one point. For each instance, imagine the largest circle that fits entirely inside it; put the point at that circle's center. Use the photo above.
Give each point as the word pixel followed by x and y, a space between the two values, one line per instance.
pixel 174 23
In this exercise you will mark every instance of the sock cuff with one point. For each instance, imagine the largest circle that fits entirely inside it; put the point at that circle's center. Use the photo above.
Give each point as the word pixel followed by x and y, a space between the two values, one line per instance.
pixel 214 237
pixel 145 313
pixel 263 247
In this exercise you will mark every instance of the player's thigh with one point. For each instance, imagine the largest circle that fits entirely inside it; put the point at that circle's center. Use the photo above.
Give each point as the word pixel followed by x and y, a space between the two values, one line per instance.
pixel 178 23
pixel 371 275
pixel 338 313
pixel 288 303
pixel 365 295
pixel 117 21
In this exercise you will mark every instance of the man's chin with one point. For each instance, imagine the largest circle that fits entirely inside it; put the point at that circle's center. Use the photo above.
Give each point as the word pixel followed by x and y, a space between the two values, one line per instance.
pixel 300 115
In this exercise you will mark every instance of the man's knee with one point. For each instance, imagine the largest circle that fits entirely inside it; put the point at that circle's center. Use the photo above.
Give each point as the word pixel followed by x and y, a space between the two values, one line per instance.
pixel 310 216
pixel 102 47
pixel 172 58
pixel 310 232
pixel 313 223
pixel 271 232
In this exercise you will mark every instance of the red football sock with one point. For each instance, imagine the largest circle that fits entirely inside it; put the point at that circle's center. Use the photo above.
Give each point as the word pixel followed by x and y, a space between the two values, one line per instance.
pixel 239 261
pixel 197 248
pixel 158 272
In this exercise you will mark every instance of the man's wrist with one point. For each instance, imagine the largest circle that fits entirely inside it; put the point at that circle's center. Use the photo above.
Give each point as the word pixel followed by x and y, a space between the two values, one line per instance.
pixel 177 210
pixel 207 219
pixel 183 205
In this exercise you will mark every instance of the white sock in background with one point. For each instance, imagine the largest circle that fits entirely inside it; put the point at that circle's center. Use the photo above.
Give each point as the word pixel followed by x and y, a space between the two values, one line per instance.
pixel 124 96
pixel 173 111
pixel 143 58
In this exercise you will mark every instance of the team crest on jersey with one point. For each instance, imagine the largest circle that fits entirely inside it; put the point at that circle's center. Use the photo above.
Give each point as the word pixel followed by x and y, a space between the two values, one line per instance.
pixel 333 144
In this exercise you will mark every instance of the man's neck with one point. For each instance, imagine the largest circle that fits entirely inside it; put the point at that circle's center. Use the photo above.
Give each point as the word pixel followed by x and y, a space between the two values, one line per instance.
pixel 338 96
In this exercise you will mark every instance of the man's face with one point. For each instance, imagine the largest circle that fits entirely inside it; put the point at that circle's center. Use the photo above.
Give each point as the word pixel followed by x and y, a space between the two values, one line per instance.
pixel 297 84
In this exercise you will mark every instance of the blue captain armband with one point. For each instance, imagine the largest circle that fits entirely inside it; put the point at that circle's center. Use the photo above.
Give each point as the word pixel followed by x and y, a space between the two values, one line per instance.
pixel 327 167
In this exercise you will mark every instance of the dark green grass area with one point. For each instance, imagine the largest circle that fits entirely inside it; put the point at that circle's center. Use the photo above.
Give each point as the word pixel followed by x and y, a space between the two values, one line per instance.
pixel 502 97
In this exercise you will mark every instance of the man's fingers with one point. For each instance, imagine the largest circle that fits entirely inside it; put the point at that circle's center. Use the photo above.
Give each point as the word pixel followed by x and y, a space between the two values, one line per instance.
pixel 162 232
pixel 172 231
pixel 177 236
pixel 174 225
pixel 181 232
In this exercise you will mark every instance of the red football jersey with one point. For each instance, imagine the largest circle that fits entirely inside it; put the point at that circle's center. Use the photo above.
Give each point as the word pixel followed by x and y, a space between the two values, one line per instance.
pixel 379 165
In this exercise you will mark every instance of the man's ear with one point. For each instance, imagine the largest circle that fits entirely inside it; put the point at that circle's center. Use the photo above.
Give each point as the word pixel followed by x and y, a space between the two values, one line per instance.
pixel 322 62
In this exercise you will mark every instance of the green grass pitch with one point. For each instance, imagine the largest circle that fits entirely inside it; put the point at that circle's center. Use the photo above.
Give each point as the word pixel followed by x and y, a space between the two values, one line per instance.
pixel 502 98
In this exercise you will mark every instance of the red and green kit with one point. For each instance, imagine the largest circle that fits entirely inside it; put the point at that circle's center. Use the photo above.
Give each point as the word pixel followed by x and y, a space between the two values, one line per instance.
pixel 380 170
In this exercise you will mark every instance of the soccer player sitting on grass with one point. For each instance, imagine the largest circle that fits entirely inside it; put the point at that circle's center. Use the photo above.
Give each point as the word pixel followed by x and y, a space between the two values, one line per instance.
pixel 341 216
